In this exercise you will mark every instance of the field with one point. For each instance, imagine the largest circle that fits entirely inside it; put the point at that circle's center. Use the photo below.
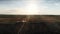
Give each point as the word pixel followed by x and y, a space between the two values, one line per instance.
pixel 11 24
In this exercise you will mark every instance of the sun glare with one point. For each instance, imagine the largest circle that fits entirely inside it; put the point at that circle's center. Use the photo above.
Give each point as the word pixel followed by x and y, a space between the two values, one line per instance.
pixel 31 8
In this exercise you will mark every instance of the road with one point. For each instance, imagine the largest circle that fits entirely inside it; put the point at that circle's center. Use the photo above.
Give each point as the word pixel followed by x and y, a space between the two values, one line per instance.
pixel 29 28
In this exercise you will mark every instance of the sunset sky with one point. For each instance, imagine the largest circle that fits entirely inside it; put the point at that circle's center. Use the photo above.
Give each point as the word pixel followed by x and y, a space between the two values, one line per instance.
pixel 30 7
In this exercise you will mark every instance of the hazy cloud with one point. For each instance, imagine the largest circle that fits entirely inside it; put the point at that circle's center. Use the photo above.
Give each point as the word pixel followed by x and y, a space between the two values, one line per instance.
pixel 45 6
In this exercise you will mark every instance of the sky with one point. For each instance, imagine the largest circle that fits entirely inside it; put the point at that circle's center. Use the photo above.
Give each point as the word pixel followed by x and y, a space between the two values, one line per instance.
pixel 30 7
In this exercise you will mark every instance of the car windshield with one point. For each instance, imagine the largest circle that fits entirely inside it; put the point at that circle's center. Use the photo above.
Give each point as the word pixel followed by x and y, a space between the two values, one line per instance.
pixel 29 16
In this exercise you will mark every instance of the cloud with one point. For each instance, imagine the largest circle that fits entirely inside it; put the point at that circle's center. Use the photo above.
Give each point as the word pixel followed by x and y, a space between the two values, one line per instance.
pixel 13 11
pixel 45 8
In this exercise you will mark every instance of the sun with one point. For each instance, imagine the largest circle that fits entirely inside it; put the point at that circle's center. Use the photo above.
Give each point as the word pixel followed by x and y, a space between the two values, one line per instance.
pixel 31 8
